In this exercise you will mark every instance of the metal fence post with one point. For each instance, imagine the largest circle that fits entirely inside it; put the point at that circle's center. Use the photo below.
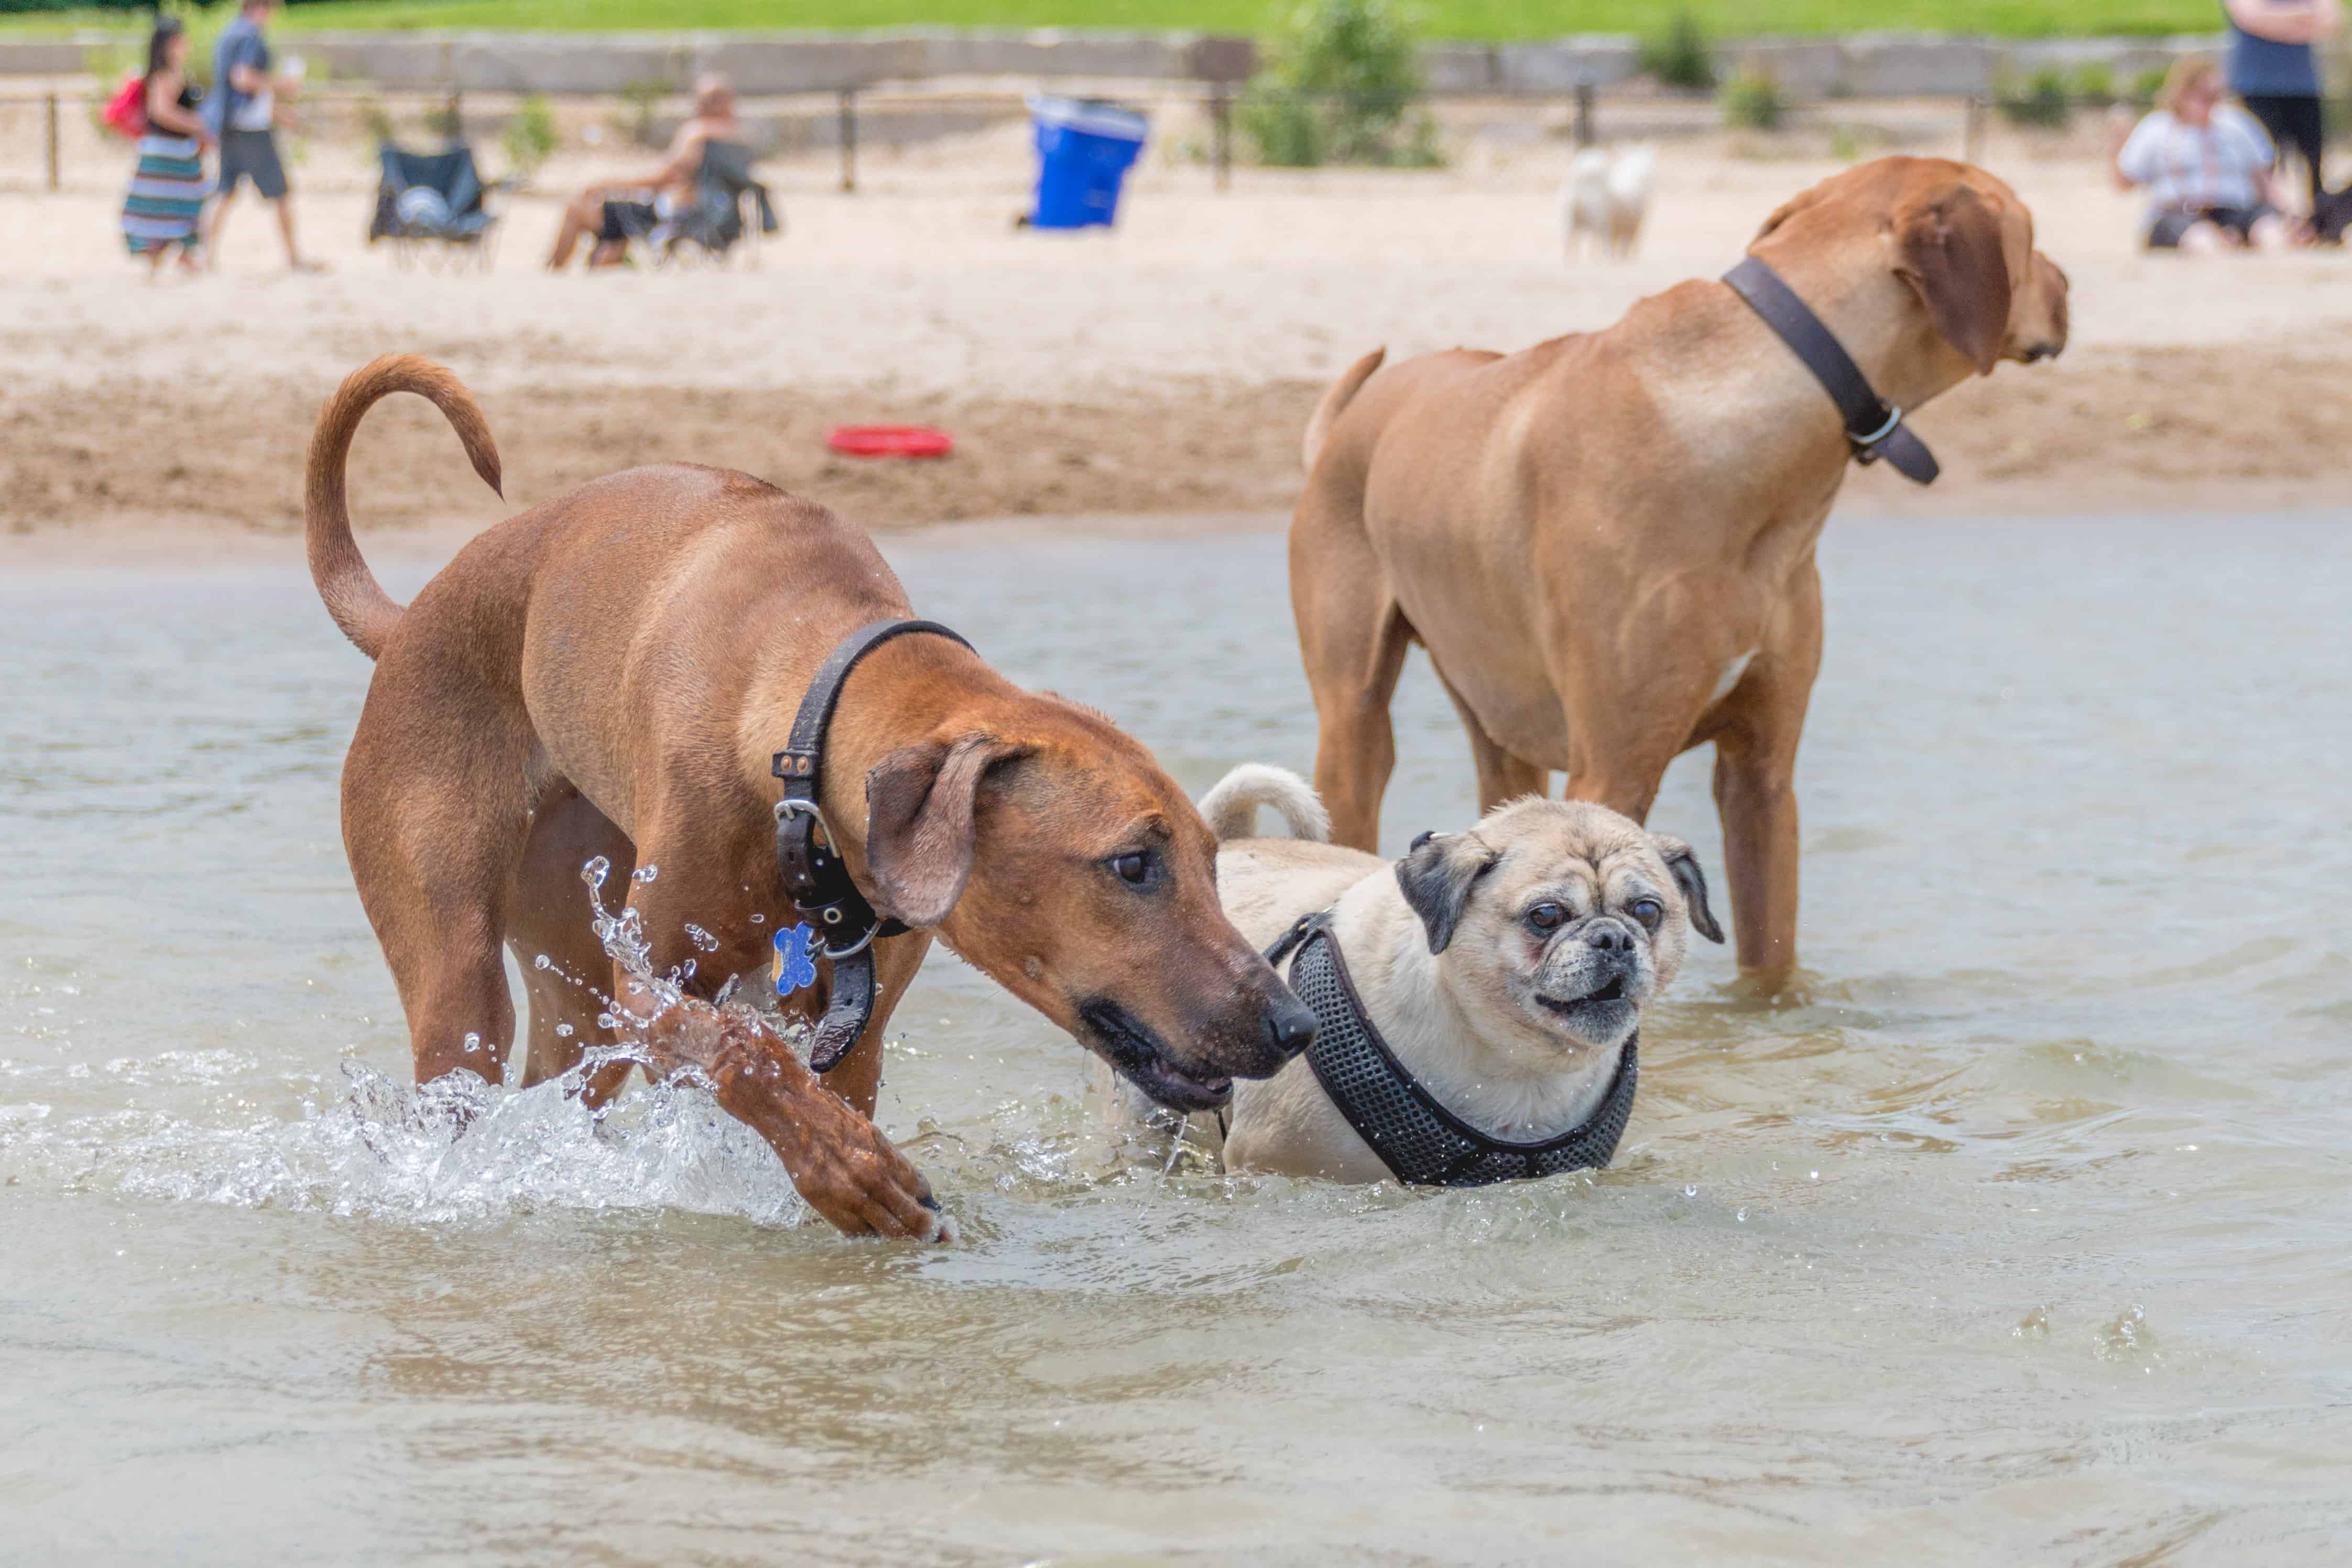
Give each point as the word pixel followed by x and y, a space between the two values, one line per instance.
pixel 1221 109
pixel 849 138
pixel 1972 136
pixel 1584 114
pixel 51 142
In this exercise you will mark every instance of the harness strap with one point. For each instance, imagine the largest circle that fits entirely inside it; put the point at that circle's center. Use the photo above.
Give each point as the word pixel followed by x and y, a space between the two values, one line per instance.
pixel 1874 426
pixel 808 859
pixel 1422 1143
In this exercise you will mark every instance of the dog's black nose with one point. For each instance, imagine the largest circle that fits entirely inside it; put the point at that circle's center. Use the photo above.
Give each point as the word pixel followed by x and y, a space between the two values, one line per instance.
pixel 1608 936
pixel 1290 1028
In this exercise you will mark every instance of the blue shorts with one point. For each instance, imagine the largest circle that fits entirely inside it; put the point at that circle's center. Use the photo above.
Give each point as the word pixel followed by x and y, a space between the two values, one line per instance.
pixel 252 154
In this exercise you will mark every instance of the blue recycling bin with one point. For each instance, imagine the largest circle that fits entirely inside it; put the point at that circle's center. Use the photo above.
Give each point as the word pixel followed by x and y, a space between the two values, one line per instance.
pixel 1085 148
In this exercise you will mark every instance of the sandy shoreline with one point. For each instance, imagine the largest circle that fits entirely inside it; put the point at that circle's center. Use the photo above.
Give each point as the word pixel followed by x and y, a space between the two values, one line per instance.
pixel 1166 368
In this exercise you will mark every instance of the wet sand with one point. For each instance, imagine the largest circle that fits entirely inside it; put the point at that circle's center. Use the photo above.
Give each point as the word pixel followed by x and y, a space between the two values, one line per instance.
pixel 1166 367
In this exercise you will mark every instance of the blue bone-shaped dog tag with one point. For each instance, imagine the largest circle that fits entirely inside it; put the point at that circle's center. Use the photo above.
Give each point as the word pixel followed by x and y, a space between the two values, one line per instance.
pixel 795 967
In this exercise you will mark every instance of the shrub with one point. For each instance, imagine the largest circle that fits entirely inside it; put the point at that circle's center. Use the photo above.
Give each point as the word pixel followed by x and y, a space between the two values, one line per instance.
pixel 530 135
pixel 2094 84
pixel 374 121
pixel 2039 101
pixel 1679 55
pixel 644 96
pixel 1343 77
pixel 446 120
pixel 1284 127
pixel 1753 101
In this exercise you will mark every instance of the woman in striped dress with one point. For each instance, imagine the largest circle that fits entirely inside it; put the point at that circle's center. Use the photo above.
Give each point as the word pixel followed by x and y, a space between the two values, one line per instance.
pixel 167 193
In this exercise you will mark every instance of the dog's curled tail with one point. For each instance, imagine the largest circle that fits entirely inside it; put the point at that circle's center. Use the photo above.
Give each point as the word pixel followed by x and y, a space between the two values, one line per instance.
pixel 1230 805
pixel 357 600
pixel 1335 403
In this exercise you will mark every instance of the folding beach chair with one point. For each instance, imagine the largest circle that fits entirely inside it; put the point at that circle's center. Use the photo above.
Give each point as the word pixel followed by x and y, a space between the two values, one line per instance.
pixel 430 205
pixel 716 221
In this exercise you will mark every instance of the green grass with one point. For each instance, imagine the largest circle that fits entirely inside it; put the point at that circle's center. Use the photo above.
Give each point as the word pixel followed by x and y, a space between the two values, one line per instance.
pixel 1483 20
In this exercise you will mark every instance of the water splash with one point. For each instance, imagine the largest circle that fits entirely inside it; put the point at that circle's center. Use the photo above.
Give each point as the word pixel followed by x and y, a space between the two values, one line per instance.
pixel 457 1151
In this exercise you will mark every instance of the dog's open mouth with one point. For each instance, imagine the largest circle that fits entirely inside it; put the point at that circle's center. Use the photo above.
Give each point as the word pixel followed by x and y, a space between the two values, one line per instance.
pixel 1138 1057
pixel 1612 990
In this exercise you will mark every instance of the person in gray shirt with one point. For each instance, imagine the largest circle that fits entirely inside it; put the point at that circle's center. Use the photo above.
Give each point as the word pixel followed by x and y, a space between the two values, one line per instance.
pixel 2274 71
pixel 242 110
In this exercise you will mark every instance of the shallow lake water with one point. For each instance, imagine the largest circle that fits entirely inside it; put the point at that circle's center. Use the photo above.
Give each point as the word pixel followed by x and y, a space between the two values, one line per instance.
pixel 2025 1230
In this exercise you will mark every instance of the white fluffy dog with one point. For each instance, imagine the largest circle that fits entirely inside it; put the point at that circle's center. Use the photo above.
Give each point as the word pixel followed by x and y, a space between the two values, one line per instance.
pixel 1605 199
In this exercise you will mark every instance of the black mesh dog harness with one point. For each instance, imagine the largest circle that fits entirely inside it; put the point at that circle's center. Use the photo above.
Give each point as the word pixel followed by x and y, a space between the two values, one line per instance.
pixel 1874 426
pixel 1420 1142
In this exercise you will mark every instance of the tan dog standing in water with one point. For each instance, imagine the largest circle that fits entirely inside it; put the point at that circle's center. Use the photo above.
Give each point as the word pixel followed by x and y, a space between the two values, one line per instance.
pixel 1606 541
pixel 609 674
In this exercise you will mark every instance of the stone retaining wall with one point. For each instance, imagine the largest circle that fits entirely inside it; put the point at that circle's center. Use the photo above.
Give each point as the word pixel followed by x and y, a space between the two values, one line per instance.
pixel 1861 66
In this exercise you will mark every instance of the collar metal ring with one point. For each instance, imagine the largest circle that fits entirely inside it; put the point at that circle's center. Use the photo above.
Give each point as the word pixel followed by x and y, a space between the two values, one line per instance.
pixel 1893 417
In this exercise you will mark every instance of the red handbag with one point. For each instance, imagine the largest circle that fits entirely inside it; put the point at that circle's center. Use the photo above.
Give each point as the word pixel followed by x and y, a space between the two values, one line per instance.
pixel 127 110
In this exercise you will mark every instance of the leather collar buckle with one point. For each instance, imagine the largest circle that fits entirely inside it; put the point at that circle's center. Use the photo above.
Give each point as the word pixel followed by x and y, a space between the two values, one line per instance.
pixel 843 924
pixel 1866 448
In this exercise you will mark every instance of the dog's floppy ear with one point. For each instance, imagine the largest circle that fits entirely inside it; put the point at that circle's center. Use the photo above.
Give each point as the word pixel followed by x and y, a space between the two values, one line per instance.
pixel 1437 874
pixel 1948 246
pixel 918 823
pixel 1682 862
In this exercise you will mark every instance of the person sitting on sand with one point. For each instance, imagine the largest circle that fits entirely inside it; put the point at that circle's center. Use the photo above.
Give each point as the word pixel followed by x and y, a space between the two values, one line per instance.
pixel 2207 167
pixel 618 211
pixel 164 208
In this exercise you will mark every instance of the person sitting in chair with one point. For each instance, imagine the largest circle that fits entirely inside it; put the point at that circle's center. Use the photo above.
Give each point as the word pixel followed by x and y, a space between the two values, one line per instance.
pixel 2207 167
pixel 619 211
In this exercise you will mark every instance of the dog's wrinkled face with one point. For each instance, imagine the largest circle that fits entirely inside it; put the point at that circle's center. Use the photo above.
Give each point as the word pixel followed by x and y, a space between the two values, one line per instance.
pixel 1554 922
pixel 1053 854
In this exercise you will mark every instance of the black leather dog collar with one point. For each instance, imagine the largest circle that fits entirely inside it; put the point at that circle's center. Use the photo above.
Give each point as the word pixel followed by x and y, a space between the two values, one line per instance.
pixel 1422 1143
pixel 1874 426
pixel 810 866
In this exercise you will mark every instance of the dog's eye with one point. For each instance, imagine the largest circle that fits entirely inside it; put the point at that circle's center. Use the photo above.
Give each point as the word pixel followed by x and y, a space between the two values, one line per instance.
pixel 1134 868
pixel 1546 917
pixel 1649 912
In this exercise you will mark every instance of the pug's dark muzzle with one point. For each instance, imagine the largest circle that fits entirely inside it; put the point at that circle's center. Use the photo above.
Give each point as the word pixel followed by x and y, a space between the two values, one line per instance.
pixel 1592 976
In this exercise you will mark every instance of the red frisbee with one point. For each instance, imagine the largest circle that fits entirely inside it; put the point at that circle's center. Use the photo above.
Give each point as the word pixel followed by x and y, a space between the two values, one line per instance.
pixel 890 441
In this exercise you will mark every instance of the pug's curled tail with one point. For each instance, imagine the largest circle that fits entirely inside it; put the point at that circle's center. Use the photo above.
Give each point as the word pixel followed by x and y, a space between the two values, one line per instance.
pixel 357 600
pixel 1230 805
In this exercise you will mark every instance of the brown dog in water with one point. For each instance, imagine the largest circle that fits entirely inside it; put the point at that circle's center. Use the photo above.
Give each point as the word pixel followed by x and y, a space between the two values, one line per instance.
pixel 609 673
pixel 1606 541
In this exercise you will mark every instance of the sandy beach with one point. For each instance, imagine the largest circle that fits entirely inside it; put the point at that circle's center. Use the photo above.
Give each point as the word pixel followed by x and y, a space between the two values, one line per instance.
pixel 1164 368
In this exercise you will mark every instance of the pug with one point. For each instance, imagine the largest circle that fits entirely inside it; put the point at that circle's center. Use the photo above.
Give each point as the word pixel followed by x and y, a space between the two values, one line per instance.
pixel 1506 967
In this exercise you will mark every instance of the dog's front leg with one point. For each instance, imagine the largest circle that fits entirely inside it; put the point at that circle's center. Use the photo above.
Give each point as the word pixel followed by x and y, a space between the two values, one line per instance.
pixel 838 1159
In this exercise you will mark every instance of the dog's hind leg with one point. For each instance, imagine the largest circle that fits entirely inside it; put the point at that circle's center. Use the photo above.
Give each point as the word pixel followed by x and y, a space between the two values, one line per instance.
pixel 552 934
pixel 1501 775
pixel 1353 637
pixel 435 807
